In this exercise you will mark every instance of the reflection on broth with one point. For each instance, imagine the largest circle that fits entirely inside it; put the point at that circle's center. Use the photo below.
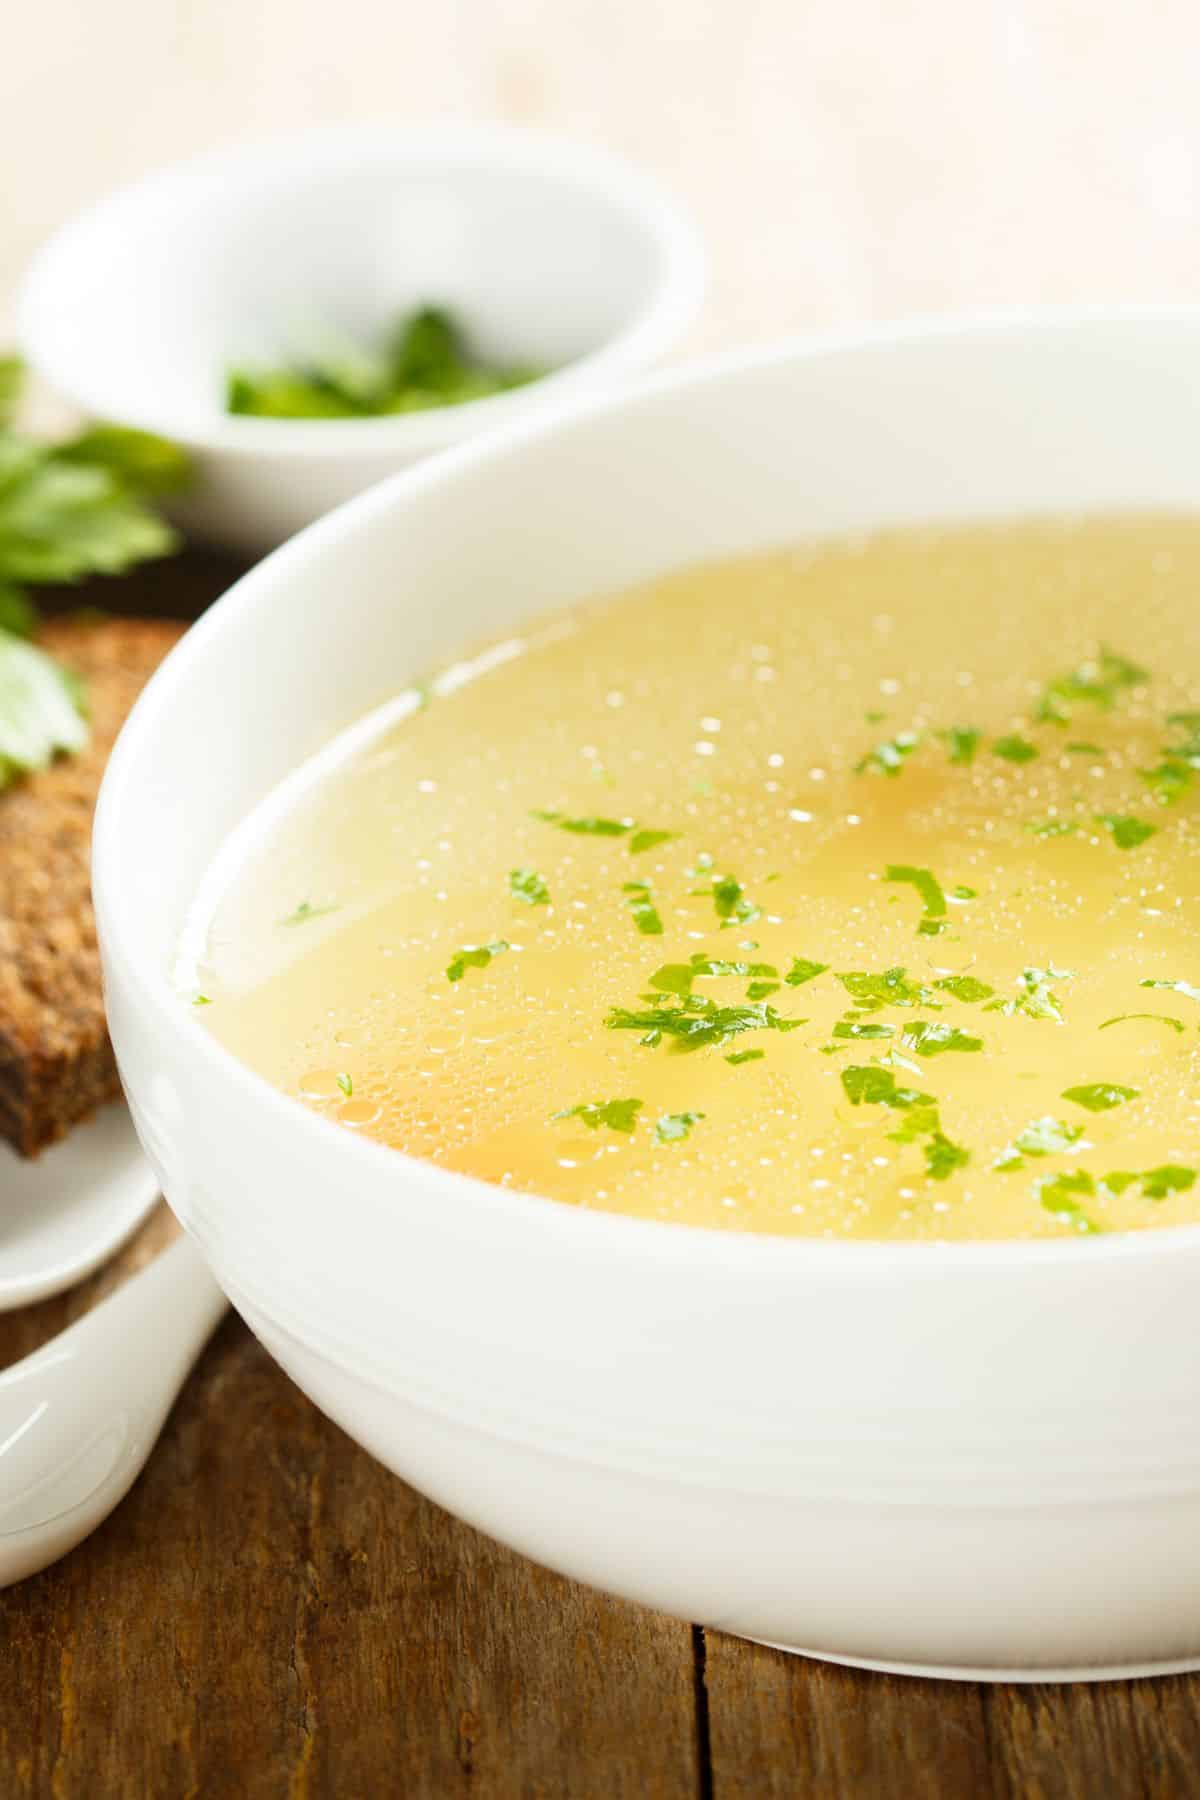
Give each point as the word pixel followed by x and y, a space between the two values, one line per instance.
pixel 849 890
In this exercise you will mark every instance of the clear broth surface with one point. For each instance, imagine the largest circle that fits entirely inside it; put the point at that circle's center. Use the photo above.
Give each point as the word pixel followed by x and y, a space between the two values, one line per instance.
pixel 958 769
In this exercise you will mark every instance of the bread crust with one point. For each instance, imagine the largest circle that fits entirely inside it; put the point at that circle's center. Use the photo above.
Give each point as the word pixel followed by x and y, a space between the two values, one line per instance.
pixel 56 1062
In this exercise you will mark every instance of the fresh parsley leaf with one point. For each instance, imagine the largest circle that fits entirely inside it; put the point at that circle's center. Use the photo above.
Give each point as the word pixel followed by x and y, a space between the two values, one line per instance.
pixel 18 615
pixel 1042 1137
pixel 1168 1178
pixel 944 1158
pixel 745 1056
pixel 1127 831
pixel 892 988
pixel 964 987
pixel 1014 749
pixel 473 956
pixel 641 905
pixel 1176 987
pixel 345 1082
pixel 1100 1096
pixel 61 520
pixel 1159 1018
pixel 586 827
pixel 930 890
pixel 961 742
pixel 140 462
pixel 615 1115
pixel 40 709
pixel 306 911
pixel 867 1084
pixel 1097 682
pixel 529 886
pixel 1059 1194
pixel 731 903
pixel 696 1021
pixel 803 970
pixel 852 1028
pixel 646 839
pixel 12 380
pixel 672 1127
pixel 1035 997
pixel 889 757
pixel 932 1038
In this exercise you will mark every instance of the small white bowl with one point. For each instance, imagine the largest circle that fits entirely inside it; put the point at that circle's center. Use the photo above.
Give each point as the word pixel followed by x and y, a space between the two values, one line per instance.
pixel 968 1459
pixel 548 251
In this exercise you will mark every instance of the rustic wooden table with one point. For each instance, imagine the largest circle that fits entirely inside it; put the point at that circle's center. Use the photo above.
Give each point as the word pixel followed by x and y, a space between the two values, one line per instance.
pixel 269 1613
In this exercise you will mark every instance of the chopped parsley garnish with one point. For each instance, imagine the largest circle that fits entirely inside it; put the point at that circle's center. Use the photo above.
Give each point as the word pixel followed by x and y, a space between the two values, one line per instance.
pixel 345 1082
pixel 1169 780
pixel 1176 987
pixel 672 1127
pixel 943 1158
pixel 473 956
pixel 425 362
pixel 586 827
pixel 889 757
pixel 964 987
pixel 529 886
pixel 1052 828
pixel 201 1000
pixel 927 1037
pixel 803 970
pixel 1042 1137
pixel 306 911
pixel 930 890
pixel 852 1028
pixel 677 978
pixel 892 988
pixel 1035 997
pixel 1015 749
pixel 641 905
pixel 616 1115
pixel 1100 1096
pixel 1127 831
pixel 1169 1178
pixel 868 1084
pixel 695 1022
pixel 745 1056
pixel 961 742
pixel 1094 683
pixel 645 839
pixel 729 899
pixel 1059 1194
pixel 1159 1018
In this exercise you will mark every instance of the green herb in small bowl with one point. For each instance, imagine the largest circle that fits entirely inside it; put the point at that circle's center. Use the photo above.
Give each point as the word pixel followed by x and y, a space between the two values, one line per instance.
pixel 426 363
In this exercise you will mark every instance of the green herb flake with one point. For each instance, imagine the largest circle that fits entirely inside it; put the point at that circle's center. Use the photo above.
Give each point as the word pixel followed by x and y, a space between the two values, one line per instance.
pixel 745 1056
pixel 641 905
pixel 1035 997
pixel 201 1000
pixel 671 1128
pixel 1159 1018
pixel 306 911
pixel 1169 780
pixel 529 886
pixel 1175 987
pixel 1127 832
pixel 852 1028
pixel 891 988
pixel 802 970
pixel 696 1022
pixel 614 1115
pixel 889 757
pixel 961 743
pixel 1100 1096
pixel 473 956
pixel 345 1082
pixel 1099 683
pixel 1168 1178
pixel 1052 828
pixel 585 827
pixel 1042 1137
pixel 1059 1194
pixel 944 1158
pixel 646 839
pixel 930 890
pixel 932 1038
pixel 1015 749
pixel 964 987
pixel 866 1084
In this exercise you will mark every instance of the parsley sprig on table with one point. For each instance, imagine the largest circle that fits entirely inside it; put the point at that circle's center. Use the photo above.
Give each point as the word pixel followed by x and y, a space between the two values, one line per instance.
pixel 67 510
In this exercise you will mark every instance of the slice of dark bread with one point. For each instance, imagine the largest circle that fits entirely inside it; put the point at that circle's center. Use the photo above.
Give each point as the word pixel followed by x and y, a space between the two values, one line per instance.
pixel 56 1063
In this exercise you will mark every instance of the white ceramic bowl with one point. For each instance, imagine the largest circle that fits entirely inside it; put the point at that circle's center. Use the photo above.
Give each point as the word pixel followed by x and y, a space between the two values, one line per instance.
pixel 549 252
pixel 976 1460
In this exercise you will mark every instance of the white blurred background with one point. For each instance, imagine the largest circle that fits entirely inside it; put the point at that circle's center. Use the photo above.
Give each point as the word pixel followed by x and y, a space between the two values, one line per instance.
pixel 844 158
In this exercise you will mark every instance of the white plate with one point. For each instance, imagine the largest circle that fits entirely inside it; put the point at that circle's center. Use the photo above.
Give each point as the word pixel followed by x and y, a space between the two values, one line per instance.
pixel 62 1215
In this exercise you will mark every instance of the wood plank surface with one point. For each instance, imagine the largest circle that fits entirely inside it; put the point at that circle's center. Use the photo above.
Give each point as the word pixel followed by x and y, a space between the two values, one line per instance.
pixel 269 1613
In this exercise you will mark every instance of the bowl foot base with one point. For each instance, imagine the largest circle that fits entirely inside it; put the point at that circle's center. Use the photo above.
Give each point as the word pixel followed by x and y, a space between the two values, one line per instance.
pixel 956 1672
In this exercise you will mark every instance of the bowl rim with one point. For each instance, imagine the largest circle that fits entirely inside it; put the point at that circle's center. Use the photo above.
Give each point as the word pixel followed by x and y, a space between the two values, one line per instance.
pixel 741 1252
pixel 663 316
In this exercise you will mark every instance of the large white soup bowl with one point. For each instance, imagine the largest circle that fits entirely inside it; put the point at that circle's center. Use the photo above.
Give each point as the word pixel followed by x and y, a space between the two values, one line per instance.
pixel 976 1459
